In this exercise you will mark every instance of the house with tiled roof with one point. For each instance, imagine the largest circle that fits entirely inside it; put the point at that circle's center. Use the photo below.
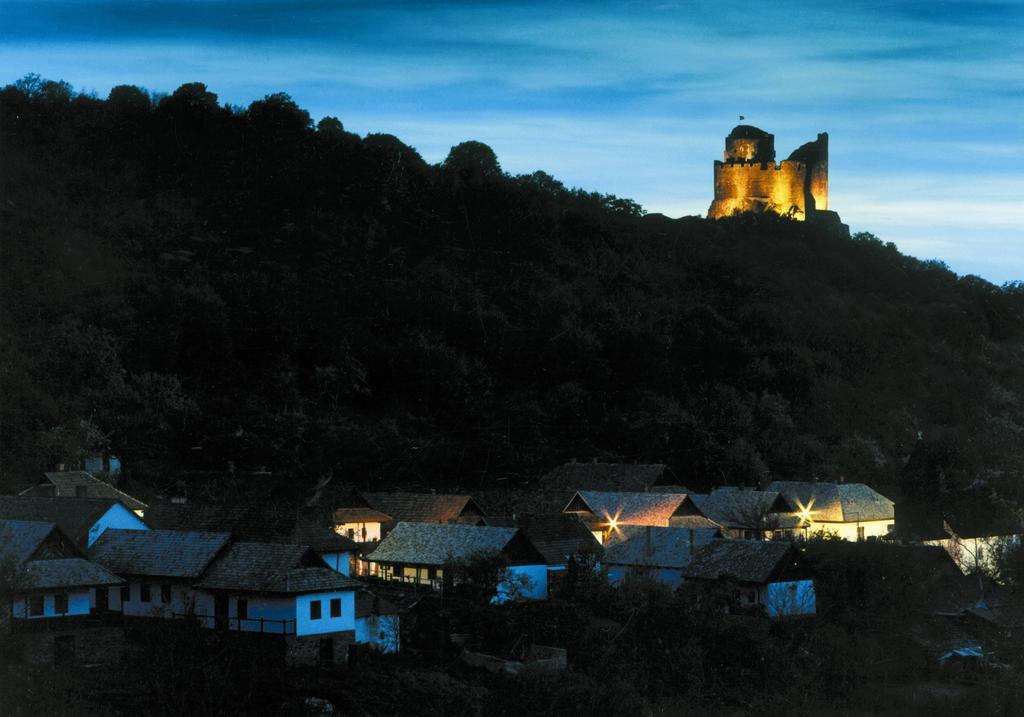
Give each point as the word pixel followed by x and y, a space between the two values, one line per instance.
pixel 280 589
pixel 260 522
pixel 659 552
pixel 427 507
pixel 81 519
pixel 604 511
pixel 160 567
pixel 82 484
pixel 49 577
pixel 852 511
pixel 417 554
pixel 769 576
pixel 747 513
pixel 357 520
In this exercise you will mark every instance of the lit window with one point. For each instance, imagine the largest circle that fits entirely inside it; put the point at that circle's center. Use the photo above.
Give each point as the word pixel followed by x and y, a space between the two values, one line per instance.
pixel 314 610
pixel 335 607
pixel 60 603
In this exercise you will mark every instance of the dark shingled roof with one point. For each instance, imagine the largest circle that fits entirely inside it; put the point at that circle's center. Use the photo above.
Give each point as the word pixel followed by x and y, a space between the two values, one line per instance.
pixel 65 484
pixel 557 536
pixel 424 507
pixel 747 561
pixel 164 553
pixel 368 604
pixel 67 573
pixel 273 568
pixel 435 544
pixel 74 516
pixel 836 502
pixel 739 508
pixel 256 522
pixel 20 538
pixel 648 546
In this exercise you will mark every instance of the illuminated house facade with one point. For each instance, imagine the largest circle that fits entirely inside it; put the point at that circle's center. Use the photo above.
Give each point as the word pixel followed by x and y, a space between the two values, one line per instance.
pixel 750 180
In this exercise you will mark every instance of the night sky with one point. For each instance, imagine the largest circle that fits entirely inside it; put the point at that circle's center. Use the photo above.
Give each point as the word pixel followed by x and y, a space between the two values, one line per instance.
pixel 922 100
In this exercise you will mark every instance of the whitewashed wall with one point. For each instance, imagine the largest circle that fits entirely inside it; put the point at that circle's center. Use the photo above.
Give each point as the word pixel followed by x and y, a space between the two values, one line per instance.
pixel 788 599
pixel 339 562
pixel 307 626
pixel 526 582
pixel 79 602
pixel 381 631
pixel 117 517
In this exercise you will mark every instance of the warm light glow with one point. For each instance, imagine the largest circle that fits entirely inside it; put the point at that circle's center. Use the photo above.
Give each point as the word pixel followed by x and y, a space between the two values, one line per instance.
pixel 805 511
pixel 612 522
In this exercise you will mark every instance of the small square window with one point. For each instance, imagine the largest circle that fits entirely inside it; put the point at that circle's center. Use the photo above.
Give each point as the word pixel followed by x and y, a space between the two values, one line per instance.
pixel 126 593
pixel 314 610
pixel 35 605
pixel 60 603
pixel 335 607
pixel 165 594
pixel 144 592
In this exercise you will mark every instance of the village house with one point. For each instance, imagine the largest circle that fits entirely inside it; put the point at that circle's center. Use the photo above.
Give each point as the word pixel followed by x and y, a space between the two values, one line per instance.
pixel 82 484
pixel 49 577
pixel 656 552
pixel 358 522
pixel 851 511
pixel 748 514
pixel 559 538
pixel 256 521
pixel 426 508
pixel 160 567
pixel 603 512
pixel 280 589
pixel 81 519
pixel 417 554
pixel 766 575
pixel 549 493
pixel 377 622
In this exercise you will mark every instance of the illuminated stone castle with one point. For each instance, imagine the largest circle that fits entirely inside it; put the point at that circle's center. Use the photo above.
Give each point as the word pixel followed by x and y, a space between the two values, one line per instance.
pixel 749 180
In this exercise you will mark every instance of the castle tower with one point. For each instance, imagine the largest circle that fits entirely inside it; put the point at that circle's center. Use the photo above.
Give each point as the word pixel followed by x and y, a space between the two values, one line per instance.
pixel 749 179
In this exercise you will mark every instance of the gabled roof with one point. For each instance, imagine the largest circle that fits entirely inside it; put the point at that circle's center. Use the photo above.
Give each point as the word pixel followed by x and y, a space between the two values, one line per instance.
pixel 655 547
pixel 67 573
pixel 74 516
pixel 435 544
pixel 740 508
pixel 273 568
pixel 629 508
pixel 19 539
pixel 360 514
pixel 65 484
pixel 557 536
pixel 164 553
pixel 746 561
pixel 836 502
pixel 632 477
pixel 254 522
pixel 368 604
pixel 424 507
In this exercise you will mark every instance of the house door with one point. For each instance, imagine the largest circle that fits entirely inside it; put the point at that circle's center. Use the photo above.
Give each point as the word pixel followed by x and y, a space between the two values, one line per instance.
pixel 102 600
pixel 220 611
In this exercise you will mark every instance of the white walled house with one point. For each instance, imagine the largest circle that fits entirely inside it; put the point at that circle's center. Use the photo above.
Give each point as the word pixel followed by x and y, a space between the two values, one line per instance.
pixel 360 523
pixel 81 519
pixel 377 622
pixel 768 576
pixel 851 511
pixel 659 553
pixel 159 567
pixel 417 554
pixel 747 514
pixel 50 578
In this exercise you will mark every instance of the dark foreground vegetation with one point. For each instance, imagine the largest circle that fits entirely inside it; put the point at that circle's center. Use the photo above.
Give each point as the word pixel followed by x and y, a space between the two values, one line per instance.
pixel 195 286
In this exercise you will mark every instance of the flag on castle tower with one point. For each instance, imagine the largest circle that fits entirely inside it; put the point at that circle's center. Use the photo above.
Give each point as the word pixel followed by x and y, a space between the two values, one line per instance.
pixel 742 118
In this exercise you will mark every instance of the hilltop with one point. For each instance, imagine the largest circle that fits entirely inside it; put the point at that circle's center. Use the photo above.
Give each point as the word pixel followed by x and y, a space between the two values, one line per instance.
pixel 192 286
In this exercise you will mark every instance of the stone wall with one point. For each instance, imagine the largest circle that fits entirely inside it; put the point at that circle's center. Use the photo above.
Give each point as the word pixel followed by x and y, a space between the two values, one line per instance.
pixel 749 187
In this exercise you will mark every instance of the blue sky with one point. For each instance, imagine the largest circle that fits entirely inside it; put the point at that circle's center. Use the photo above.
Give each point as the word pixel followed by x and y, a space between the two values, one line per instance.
pixel 923 101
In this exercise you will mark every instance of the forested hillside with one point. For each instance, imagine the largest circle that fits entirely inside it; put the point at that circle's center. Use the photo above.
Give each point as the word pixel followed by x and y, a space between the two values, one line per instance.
pixel 192 286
